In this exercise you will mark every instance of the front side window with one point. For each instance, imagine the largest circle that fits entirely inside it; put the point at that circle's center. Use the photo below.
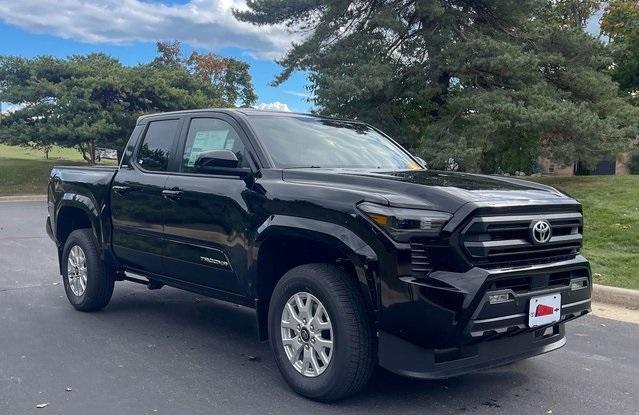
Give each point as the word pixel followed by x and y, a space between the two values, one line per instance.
pixel 155 151
pixel 303 141
pixel 207 134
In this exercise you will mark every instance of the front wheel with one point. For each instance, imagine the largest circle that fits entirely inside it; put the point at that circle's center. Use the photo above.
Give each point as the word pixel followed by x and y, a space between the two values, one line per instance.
pixel 87 283
pixel 320 332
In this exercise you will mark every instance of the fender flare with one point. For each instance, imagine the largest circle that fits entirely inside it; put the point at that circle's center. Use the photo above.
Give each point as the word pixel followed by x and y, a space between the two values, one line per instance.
pixel 86 205
pixel 361 255
pixel 344 239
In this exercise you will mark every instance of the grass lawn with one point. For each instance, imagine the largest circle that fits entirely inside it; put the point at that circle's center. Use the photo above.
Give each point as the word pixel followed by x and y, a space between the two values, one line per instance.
pixel 24 171
pixel 611 224
pixel 611 208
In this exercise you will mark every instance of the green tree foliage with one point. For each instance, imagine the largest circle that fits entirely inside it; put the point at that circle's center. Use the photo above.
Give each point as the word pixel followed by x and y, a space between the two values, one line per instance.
pixel 620 23
pixel 574 13
pixel 229 77
pixel 92 101
pixel 484 85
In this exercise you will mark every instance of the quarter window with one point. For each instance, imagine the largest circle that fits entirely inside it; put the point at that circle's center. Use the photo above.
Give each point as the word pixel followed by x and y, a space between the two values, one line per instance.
pixel 207 134
pixel 155 151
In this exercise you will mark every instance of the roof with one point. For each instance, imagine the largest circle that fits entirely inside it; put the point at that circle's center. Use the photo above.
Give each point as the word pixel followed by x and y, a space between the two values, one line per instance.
pixel 245 111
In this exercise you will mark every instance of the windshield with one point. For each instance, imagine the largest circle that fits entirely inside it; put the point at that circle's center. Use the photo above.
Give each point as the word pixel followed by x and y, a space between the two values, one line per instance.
pixel 302 141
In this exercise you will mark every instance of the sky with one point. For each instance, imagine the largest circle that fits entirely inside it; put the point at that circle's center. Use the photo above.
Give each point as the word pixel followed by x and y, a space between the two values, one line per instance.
pixel 128 30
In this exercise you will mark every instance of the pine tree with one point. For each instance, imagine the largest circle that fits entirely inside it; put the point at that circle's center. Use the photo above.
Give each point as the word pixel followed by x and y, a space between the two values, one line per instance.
pixel 93 100
pixel 486 85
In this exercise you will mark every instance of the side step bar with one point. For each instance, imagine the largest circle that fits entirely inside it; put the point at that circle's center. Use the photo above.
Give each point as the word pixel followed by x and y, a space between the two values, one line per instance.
pixel 138 279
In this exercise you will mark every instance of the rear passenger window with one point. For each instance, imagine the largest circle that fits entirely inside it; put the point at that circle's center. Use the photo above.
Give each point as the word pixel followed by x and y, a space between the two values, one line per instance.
pixel 155 151
pixel 207 134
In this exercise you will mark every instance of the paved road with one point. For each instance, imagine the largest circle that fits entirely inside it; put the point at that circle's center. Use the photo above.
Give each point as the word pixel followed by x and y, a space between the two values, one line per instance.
pixel 171 352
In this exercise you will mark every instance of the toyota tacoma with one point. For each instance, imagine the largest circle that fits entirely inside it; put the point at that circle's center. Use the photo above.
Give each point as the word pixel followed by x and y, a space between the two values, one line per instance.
pixel 349 249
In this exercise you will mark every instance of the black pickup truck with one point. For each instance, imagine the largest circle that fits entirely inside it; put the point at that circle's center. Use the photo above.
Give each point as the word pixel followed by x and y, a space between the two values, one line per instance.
pixel 350 250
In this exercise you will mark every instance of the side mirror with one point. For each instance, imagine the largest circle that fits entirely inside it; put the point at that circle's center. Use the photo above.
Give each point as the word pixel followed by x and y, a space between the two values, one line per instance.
pixel 223 162
pixel 422 162
pixel 216 158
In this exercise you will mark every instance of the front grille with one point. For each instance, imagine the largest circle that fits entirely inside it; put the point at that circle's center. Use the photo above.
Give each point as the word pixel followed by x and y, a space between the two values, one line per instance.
pixel 503 240
pixel 522 284
pixel 420 261
pixel 517 284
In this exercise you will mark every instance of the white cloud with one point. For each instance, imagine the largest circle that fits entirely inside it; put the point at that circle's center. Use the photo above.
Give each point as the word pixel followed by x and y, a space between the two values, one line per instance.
pixel 206 24
pixel 273 106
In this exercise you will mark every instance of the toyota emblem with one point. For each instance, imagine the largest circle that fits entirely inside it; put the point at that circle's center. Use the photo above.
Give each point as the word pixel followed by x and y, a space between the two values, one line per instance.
pixel 540 231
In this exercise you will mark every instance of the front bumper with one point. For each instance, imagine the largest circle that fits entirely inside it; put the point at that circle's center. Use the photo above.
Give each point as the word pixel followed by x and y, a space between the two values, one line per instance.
pixel 445 325
pixel 407 359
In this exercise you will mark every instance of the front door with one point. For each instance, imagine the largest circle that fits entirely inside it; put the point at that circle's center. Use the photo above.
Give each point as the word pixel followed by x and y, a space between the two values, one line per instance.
pixel 137 202
pixel 207 221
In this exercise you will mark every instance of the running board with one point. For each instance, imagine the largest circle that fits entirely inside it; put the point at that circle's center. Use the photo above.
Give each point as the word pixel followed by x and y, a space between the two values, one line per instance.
pixel 139 279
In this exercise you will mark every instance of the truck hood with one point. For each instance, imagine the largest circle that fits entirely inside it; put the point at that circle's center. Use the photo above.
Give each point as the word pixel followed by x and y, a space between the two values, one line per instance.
pixel 430 189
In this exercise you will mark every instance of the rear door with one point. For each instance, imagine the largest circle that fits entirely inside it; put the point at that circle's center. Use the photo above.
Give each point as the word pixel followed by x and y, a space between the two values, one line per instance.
pixel 137 202
pixel 207 222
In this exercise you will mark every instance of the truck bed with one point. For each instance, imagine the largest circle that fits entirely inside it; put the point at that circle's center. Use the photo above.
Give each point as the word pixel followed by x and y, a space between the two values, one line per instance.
pixel 90 178
pixel 76 182
pixel 87 168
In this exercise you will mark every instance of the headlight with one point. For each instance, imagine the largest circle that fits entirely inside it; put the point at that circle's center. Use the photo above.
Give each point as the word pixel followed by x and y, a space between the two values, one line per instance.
pixel 402 224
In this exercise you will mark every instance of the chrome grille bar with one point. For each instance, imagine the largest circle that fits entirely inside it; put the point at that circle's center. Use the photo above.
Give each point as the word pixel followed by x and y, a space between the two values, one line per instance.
pixel 501 240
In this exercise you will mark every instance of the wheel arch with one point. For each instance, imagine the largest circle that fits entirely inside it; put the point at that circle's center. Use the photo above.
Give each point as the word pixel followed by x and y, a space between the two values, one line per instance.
pixel 75 212
pixel 285 242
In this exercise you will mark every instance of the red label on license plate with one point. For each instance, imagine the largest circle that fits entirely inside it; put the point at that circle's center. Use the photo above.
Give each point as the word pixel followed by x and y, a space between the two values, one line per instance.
pixel 544 310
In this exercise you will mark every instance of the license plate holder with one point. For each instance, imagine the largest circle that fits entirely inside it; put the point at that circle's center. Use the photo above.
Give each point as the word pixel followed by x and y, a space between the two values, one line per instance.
pixel 544 310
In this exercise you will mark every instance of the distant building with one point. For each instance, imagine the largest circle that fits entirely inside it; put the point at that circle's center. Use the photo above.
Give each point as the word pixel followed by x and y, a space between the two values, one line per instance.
pixel 605 166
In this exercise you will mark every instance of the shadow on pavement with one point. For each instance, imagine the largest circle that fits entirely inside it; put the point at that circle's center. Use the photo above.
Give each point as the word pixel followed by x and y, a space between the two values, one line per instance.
pixel 205 321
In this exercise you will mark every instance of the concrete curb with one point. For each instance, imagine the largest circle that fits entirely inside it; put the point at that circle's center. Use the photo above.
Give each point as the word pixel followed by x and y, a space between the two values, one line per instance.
pixel 26 198
pixel 616 296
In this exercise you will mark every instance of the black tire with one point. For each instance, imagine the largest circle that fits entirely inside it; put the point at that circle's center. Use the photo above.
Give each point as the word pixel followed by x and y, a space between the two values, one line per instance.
pixel 353 357
pixel 100 282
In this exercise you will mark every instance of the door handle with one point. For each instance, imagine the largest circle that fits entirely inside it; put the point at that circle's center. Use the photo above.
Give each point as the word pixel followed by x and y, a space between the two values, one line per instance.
pixel 172 194
pixel 121 190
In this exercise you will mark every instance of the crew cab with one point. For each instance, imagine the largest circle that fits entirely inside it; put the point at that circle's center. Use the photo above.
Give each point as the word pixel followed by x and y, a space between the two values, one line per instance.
pixel 350 250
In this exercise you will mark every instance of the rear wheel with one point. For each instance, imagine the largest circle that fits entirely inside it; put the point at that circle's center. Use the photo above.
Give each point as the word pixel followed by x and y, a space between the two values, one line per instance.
pixel 87 282
pixel 320 332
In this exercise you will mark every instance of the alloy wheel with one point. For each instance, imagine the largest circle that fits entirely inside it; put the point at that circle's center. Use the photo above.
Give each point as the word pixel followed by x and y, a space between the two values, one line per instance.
pixel 307 334
pixel 77 271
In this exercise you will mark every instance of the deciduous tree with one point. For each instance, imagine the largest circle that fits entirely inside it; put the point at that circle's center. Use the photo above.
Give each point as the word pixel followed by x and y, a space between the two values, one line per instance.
pixel 229 77
pixel 621 23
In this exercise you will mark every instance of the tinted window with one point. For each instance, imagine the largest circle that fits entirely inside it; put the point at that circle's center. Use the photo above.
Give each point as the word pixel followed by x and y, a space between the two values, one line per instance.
pixel 301 141
pixel 155 151
pixel 206 134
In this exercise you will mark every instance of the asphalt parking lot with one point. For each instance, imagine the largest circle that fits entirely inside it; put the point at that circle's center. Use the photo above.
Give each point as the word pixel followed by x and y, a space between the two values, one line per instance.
pixel 172 352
